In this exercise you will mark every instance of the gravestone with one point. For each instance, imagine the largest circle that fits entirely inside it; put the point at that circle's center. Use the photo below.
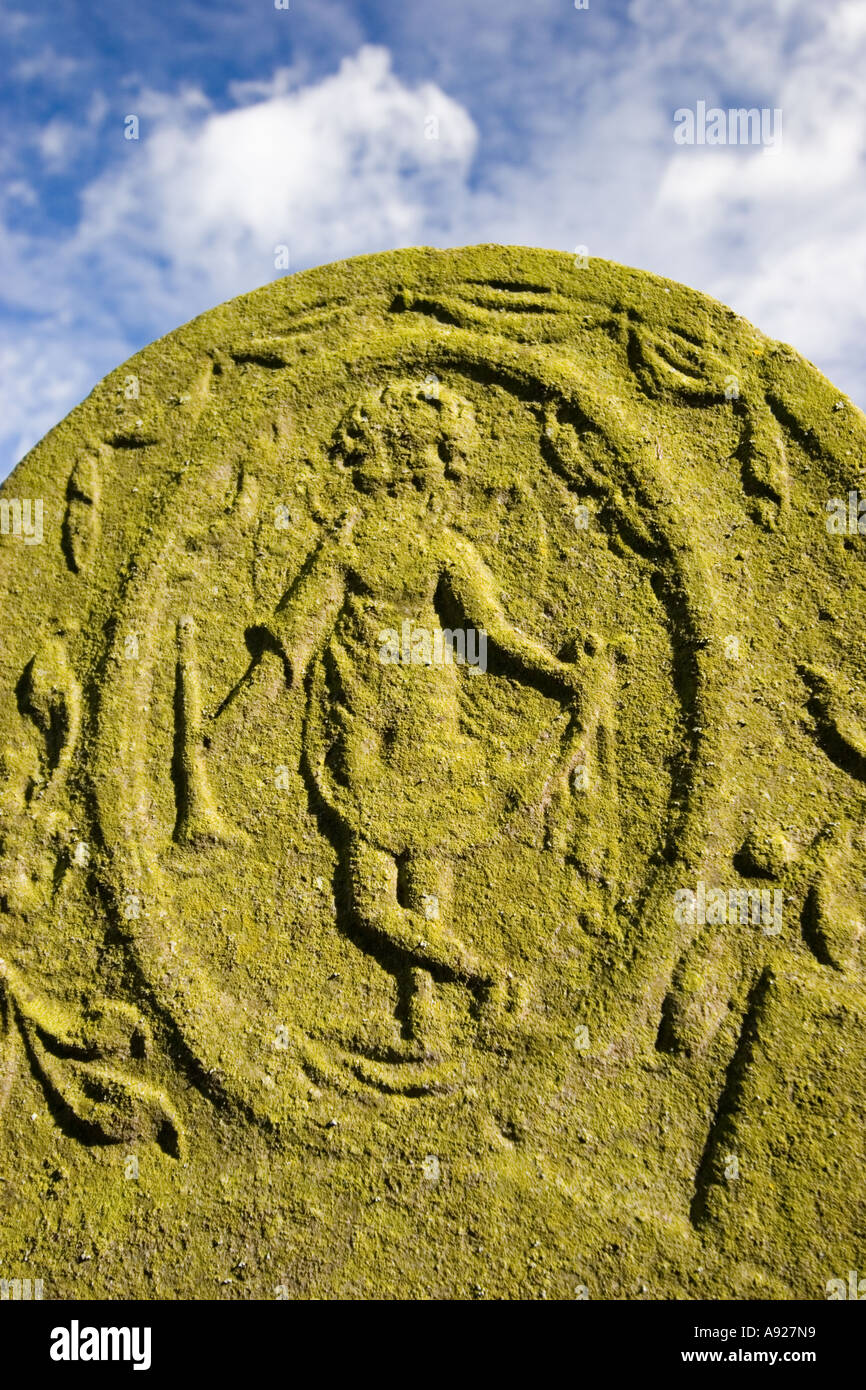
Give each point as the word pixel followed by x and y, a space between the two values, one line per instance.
pixel 432 761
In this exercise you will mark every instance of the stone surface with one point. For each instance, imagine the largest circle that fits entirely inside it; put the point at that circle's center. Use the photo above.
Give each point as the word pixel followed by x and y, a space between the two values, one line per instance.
pixel 334 968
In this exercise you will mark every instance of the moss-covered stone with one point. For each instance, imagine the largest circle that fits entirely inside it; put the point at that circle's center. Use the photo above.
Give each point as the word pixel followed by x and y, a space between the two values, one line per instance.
pixel 327 971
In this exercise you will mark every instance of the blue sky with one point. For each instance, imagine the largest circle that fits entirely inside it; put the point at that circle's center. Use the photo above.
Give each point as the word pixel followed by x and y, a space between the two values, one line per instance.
pixel 308 127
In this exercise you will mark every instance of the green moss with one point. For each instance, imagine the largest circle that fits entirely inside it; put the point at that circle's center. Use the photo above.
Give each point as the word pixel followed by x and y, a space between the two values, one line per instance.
pixel 282 923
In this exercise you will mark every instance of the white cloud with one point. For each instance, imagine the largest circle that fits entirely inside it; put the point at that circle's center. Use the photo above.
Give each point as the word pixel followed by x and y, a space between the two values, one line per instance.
pixel 47 64
pixel 778 233
pixel 342 165
pixel 43 376
pixel 54 140
pixel 191 213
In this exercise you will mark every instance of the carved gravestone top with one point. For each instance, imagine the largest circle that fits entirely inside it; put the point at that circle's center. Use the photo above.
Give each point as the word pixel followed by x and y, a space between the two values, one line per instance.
pixel 432 788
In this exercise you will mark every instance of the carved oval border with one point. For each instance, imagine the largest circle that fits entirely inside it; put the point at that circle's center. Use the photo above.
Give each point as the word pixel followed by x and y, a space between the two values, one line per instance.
pixel 550 382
